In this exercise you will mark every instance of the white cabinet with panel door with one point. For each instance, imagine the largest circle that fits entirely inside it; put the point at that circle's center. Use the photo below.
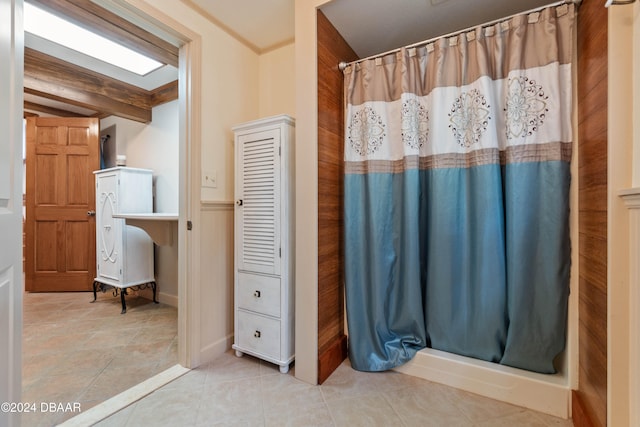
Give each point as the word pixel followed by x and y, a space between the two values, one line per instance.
pixel 264 240
pixel 124 253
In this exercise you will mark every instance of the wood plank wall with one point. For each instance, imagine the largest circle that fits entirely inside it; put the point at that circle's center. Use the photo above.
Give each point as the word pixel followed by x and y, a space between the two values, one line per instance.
pixel 590 400
pixel 332 342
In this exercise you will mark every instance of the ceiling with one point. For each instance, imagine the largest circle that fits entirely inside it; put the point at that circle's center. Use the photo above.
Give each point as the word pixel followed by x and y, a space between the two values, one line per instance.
pixel 62 82
pixel 369 26
pixel 261 24
pixel 372 27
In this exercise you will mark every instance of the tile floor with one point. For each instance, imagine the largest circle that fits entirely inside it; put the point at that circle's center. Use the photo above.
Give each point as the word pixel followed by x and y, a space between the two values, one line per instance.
pixel 233 391
pixel 74 351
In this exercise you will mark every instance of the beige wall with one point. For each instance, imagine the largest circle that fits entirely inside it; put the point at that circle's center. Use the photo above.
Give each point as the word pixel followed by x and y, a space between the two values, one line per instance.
pixel 229 77
pixel 306 191
pixel 229 95
pixel 621 122
pixel 277 78
pixel 238 85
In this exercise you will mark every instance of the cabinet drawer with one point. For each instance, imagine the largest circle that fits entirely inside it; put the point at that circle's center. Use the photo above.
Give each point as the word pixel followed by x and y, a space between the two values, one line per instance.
pixel 259 293
pixel 259 334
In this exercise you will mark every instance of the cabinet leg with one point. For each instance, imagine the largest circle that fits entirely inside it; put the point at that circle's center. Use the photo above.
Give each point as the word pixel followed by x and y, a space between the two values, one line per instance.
pixel 239 353
pixel 284 369
pixel 95 295
pixel 124 305
pixel 153 287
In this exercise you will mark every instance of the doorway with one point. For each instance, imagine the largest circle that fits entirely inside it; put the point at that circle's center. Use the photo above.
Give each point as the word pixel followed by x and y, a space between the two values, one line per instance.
pixel 189 167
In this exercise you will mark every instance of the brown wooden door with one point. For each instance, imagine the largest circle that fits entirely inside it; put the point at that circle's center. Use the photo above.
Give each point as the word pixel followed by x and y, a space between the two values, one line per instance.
pixel 62 154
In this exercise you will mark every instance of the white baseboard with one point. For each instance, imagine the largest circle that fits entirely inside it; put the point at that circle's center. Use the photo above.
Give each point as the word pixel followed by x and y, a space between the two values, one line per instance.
pixel 215 349
pixel 162 297
pixel 549 394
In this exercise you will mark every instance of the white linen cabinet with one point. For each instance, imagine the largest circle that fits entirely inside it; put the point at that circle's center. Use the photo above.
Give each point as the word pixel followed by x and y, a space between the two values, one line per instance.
pixel 124 253
pixel 264 240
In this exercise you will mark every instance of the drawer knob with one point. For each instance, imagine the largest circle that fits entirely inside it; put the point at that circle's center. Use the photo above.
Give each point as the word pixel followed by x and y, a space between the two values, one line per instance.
pixel 256 334
pixel 256 294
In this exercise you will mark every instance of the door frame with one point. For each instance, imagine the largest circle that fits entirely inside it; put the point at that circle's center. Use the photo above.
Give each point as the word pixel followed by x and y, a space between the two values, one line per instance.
pixel 189 102
pixel 189 105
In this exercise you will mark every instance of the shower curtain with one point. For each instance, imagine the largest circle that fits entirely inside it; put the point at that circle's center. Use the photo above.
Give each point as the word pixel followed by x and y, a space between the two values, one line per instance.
pixel 456 196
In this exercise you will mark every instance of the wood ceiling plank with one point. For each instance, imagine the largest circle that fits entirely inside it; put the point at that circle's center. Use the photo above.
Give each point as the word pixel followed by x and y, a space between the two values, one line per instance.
pixel 101 21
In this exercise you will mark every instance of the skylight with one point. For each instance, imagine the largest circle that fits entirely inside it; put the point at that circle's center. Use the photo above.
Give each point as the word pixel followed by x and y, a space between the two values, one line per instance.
pixel 57 30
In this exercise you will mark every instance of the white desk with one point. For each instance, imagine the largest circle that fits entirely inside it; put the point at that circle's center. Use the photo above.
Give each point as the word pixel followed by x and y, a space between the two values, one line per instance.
pixel 159 226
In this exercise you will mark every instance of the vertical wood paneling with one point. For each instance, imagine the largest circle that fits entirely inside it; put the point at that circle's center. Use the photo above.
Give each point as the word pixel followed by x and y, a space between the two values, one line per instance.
pixel 332 49
pixel 590 400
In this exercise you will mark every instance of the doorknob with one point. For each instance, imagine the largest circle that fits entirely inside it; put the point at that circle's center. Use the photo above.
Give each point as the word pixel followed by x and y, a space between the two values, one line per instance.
pixel 239 202
pixel 91 213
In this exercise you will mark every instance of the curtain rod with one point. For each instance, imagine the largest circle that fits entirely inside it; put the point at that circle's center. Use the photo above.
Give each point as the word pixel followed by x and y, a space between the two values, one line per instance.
pixel 342 65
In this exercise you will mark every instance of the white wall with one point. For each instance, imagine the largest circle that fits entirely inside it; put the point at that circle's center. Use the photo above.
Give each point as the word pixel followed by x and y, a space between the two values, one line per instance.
pixel 277 82
pixel 155 146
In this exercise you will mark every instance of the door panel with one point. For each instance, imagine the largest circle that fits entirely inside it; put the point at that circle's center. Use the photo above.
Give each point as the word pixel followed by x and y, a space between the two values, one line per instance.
pixel 45 180
pixel 46 239
pixel 62 154
pixel 78 250
pixel 78 187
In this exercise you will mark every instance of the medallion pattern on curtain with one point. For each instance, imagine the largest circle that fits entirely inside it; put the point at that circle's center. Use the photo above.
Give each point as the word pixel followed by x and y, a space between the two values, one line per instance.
pixel 457 174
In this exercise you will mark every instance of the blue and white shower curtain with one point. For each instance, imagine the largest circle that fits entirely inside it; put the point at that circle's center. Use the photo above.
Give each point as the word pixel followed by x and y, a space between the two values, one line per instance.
pixel 457 174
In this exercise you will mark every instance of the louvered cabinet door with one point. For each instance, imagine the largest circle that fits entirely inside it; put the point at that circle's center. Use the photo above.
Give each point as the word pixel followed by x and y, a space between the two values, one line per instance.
pixel 258 202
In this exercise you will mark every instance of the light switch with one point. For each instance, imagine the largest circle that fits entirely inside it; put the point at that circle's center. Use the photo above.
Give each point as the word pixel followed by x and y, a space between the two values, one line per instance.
pixel 209 179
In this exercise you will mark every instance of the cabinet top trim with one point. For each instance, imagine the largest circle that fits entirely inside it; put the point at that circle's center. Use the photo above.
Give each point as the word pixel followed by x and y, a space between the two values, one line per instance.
pixel 117 168
pixel 282 118
pixel 631 197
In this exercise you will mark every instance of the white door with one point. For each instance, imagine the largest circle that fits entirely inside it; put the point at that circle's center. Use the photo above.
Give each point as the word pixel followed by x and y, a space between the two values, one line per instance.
pixel 11 69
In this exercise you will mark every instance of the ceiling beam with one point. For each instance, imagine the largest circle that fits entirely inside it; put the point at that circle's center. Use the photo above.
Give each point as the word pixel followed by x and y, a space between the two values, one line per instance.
pixel 84 99
pixel 53 78
pixel 111 26
pixel 165 93
pixel 50 110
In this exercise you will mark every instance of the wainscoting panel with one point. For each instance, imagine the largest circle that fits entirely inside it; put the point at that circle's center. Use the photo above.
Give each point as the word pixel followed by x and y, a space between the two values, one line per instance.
pixel 216 261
